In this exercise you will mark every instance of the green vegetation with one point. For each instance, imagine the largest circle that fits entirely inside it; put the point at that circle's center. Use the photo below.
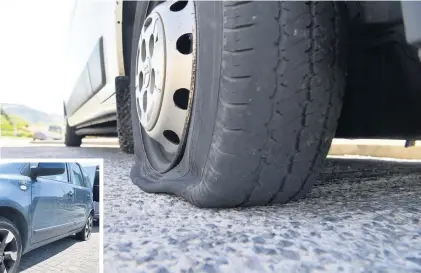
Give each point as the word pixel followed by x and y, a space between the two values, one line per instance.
pixel 13 126
pixel 32 116
pixel 21 121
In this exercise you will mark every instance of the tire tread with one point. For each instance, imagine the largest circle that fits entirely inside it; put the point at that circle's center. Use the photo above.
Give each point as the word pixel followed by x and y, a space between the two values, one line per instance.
pixel 303 82
pixel 70 138
pixel 124 122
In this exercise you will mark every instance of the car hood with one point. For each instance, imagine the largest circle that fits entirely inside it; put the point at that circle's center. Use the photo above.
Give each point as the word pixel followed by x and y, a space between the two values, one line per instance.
pixel 9 183
pixel 8 177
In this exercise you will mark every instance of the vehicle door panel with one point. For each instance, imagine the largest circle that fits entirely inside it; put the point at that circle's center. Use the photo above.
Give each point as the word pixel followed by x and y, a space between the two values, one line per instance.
pixel 81 93
pixel 52 198
pixel 92 52
pixel 83 195
pixel 49 202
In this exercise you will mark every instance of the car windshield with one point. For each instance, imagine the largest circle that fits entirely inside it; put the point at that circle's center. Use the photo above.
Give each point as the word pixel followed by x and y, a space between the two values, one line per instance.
pixel 11 168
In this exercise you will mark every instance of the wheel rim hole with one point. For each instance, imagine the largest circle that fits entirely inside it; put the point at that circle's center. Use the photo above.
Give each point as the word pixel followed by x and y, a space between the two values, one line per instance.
pixel 179 5
pixel 181 98
pixel 137 58
pixel 147 23
pixel 139 110
pixel 143 51
pixel 140 80
pixel 145 101
pixel 151 45
pixel 172 137
pixel 152 83
pixel 184 44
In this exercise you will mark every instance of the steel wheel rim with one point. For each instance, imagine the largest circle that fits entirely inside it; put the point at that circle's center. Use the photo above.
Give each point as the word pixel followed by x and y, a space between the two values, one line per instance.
pixel 8 250
pixel 165 60
pixel 88 227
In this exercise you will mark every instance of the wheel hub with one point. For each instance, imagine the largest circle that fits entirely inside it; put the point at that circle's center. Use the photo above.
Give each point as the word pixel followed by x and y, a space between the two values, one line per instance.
pixel 8 250
pixel 150 71
pixel 88 227
pixel 163 83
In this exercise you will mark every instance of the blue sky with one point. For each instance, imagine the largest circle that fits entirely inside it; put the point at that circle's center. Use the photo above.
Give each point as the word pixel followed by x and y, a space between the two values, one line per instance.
pixel 32 53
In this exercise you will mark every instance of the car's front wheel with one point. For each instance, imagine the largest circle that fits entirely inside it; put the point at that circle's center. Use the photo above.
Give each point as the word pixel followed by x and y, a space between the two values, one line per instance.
pixel 234 103
pixel 10 246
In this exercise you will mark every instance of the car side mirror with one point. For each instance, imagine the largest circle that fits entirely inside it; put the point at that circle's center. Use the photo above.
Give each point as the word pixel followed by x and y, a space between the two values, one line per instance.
pixel 46 169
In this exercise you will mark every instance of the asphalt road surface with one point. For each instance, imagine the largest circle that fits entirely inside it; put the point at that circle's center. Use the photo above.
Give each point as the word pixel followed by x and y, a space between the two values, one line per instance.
pixel 362 216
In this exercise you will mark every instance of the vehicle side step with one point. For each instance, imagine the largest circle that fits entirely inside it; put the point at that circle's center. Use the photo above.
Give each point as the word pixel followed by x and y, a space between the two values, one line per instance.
pixel 104 130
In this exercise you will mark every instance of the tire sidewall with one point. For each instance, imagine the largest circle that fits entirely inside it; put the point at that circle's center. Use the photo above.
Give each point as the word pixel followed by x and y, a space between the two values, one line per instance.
pixel 84 228
pixel 205 96
pixel 140 16
pixel 6 224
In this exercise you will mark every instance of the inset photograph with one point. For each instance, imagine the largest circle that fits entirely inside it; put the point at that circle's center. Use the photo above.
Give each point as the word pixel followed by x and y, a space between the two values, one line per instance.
pixel 50 215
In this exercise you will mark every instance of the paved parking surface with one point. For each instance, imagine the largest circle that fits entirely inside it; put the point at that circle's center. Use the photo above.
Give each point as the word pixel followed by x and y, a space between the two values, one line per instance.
pixel 363 215
pixel 67 255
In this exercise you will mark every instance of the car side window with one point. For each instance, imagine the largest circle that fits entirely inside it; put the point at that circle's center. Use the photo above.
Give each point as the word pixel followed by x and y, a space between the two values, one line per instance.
pixel 77 175
pixel 86 177
pixel 61 177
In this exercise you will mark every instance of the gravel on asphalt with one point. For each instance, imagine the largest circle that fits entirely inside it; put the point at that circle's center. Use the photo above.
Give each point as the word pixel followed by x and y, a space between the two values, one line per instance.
pixel 362 216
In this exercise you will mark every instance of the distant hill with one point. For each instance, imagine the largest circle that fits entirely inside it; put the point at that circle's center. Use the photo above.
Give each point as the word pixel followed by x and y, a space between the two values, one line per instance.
pixel 30 115
pixel 13 126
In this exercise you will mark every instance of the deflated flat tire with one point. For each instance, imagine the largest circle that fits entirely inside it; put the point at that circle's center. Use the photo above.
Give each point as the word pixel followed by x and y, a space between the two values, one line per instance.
pixel 266 94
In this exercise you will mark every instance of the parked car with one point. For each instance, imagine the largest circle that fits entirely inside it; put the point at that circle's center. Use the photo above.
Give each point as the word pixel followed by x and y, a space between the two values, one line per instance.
pixel 41 203
pixel 55 132
pixel 231 104
pixel 94 176
pixel 39 135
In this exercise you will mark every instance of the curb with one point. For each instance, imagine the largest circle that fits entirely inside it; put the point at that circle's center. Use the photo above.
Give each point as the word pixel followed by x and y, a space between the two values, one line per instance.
pixel 375 148
pixel 83 143
pixel 340 147
pixel 87 141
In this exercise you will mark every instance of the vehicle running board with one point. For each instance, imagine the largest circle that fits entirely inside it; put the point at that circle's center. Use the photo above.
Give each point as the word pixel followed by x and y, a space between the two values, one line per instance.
pixel 104 130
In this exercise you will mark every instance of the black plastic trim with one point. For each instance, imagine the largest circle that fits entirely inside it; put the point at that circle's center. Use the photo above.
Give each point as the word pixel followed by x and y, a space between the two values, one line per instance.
pixel 103 119
pixel 104 130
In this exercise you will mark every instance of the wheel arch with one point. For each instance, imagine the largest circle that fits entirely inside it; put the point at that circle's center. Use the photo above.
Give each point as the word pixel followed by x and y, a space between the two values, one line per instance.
pixel 129 10
pixel 19 220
